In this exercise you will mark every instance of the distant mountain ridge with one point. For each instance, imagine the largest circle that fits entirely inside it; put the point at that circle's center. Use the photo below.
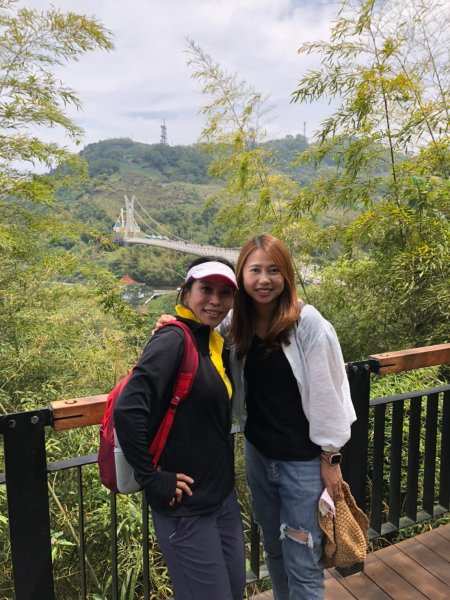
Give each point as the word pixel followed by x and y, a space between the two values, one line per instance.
pixel 170 163
pixel 178 163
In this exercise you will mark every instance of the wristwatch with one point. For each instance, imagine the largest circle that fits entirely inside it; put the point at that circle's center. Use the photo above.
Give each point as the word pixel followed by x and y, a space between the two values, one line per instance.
pixel 332 458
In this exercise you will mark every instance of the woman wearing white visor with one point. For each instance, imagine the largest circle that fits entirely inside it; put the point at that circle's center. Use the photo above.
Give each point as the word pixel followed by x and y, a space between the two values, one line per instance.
pixel 191 494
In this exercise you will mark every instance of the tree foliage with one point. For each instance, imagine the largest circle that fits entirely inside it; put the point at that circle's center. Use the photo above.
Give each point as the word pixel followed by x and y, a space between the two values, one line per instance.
pixel 255 194
pixel 32 44
pixel 390 141
pixel 387 65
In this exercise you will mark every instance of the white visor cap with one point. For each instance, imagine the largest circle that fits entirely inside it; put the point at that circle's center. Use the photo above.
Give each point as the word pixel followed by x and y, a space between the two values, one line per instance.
pixel 212 268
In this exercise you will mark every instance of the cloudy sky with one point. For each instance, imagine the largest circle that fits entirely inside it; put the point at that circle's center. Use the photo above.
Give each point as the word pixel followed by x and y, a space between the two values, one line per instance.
pixel 127 92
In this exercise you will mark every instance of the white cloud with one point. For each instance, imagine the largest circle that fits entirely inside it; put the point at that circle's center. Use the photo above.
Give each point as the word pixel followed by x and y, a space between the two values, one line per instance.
pixel 126 93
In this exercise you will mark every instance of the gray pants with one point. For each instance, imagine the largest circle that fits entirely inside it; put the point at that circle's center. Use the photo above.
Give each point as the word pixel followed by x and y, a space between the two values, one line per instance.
pixel 204 554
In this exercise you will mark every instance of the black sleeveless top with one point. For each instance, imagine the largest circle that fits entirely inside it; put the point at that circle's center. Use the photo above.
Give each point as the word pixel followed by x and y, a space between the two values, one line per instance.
pixel 276 424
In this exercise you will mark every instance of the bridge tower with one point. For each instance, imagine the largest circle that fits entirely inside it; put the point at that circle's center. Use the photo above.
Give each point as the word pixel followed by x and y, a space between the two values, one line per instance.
pixel 131 226
pixel 163 139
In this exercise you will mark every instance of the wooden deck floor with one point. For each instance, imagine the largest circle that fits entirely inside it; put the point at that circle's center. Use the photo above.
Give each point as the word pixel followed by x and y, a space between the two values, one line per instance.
pixel 415 569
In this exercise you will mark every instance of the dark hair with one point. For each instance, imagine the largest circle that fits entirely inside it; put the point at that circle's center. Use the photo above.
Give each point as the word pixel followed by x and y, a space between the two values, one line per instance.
pixel 287 311
pixel 186 285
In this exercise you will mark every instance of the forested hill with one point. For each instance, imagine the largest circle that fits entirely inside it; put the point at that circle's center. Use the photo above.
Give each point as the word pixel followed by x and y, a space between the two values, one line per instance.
pixel 177 163
pixel 170 163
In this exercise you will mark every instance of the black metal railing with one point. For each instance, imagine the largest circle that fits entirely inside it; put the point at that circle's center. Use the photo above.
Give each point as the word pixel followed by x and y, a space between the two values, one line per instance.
pixel 24 589
pixel 406 485
pixel 400 474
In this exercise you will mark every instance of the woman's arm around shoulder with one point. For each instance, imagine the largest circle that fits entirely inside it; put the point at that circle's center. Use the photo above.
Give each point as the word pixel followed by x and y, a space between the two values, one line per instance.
pixel 224 327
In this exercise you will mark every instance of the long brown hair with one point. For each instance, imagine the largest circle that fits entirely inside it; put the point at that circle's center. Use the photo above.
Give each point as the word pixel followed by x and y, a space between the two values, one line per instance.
pixel 287 310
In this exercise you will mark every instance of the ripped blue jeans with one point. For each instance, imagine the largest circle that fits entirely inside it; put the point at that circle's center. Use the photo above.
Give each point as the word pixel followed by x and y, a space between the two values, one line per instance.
pixel 285 496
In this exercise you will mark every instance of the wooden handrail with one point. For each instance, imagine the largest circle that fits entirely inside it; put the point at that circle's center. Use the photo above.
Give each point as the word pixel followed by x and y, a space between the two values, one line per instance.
pixel 79 412
pixel 413 358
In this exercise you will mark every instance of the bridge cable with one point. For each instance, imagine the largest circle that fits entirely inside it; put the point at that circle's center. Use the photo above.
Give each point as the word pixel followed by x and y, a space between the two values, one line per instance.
pixel 159 225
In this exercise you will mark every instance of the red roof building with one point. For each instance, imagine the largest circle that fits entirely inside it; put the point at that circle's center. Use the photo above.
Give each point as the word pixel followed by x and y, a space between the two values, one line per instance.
pixel 127 280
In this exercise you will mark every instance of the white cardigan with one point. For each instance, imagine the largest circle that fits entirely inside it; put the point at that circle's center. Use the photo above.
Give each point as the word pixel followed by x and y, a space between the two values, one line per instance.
pixel 316 360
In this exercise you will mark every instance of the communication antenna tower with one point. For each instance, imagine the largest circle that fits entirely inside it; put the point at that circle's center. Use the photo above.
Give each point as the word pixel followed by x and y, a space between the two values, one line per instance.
pixel 163 139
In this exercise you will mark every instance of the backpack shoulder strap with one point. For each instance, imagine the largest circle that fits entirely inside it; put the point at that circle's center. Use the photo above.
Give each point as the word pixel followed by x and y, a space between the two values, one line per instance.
pixel 182 387
pixel 189 363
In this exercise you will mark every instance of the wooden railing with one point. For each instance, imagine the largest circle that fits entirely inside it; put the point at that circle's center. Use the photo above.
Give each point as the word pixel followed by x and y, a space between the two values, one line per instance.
pixel 80 412
pixel 414 358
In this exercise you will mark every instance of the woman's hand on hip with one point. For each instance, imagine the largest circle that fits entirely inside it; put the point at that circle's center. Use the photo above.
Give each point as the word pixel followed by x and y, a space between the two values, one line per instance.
pixel 331 477
pixel 183 487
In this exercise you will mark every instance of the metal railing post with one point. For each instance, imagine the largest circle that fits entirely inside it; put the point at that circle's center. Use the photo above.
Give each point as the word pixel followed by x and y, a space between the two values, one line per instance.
pixel 354 467
pixel 28 505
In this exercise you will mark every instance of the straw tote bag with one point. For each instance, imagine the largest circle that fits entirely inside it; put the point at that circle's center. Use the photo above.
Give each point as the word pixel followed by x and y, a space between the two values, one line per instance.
pixel 345 533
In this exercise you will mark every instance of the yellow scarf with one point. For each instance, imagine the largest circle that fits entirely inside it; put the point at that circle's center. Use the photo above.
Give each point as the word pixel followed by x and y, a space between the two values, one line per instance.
pixel 215 345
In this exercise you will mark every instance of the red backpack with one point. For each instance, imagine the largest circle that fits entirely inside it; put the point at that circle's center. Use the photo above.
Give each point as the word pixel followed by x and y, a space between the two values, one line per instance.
pixel 115 472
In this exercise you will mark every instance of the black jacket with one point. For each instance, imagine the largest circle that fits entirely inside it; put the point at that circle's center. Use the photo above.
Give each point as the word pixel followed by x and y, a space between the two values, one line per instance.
pixel 199 444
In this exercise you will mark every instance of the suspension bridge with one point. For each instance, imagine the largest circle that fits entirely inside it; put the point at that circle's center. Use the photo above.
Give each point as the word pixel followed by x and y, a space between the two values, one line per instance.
pixel 136 226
